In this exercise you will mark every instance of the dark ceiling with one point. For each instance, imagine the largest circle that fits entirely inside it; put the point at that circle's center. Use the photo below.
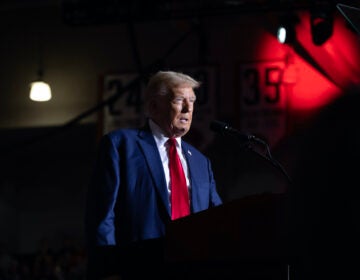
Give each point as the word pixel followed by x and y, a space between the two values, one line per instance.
pixel 88 12
pixel 113 11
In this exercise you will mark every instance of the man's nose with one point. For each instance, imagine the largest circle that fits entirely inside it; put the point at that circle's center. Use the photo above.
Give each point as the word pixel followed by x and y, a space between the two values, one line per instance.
pixel 187 106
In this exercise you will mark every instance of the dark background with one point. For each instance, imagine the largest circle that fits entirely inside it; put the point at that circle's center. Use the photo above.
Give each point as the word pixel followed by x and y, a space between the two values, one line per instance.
pixel 47 149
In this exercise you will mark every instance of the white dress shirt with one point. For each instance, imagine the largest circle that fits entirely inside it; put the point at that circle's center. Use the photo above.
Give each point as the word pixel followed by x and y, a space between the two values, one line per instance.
pixel 161 142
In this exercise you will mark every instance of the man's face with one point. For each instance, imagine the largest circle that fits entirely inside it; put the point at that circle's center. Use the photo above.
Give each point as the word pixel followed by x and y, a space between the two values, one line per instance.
pixel 173 112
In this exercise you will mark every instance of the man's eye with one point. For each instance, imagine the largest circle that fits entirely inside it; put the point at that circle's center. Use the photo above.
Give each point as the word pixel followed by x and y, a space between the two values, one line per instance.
pixel 178 100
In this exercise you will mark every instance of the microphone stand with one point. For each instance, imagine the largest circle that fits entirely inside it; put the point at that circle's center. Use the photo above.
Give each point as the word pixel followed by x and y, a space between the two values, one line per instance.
pixel 268 156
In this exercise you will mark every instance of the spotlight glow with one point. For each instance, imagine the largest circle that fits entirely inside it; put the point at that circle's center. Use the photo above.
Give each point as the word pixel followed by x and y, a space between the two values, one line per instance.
pixel 281 34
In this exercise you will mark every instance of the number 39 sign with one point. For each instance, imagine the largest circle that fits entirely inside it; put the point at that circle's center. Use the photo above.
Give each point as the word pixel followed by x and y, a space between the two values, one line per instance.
pixel 263 100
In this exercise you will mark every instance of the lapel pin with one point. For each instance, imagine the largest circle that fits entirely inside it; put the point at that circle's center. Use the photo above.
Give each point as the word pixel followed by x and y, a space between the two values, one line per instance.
pixel 189 152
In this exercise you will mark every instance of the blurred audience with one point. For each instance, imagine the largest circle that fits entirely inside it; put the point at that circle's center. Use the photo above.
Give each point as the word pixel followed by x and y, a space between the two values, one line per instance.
pixel 67 263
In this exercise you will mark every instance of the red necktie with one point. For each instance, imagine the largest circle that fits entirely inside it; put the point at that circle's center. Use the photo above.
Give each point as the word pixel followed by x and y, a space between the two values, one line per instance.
pixel 179 192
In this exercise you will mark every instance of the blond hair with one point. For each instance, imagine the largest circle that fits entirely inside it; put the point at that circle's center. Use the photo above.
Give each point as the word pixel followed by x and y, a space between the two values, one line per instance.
pixel 162 83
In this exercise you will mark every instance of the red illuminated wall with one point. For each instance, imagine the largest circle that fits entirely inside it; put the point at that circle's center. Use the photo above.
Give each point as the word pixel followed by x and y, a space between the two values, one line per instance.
pixel 315 75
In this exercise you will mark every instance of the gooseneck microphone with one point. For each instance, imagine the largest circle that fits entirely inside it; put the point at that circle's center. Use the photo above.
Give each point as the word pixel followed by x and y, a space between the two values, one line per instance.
pixel 246 140
pixel 223 128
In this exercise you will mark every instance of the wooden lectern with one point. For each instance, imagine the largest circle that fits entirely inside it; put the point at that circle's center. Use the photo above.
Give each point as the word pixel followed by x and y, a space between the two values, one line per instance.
pixel 242 239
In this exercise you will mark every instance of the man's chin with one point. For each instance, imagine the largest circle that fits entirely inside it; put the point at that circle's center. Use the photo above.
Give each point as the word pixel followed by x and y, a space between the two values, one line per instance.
pixel 181 131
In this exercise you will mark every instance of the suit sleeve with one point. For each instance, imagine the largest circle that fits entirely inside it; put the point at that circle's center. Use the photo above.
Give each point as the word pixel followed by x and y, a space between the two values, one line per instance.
pixel 215 199
pixel 101 196
pixel 99 213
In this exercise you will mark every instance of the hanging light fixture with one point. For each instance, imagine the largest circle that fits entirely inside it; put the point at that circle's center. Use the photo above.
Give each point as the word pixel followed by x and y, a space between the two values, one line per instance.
pixel 40 91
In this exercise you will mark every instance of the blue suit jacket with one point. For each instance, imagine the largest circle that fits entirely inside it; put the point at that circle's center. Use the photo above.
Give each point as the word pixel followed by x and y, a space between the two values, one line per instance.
pixel 128 199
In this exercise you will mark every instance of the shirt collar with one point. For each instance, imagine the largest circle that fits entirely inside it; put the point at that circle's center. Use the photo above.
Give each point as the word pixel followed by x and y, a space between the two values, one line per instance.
pixel 159 135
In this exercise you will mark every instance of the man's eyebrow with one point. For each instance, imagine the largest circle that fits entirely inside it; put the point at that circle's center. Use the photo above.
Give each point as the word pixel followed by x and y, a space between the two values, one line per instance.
pixel 183 97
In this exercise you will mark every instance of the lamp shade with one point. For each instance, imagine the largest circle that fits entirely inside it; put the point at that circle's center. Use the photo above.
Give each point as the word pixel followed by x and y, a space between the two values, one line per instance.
pixel 40 91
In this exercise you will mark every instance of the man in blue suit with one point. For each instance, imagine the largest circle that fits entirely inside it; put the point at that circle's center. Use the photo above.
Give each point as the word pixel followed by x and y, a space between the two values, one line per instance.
pixel 128 203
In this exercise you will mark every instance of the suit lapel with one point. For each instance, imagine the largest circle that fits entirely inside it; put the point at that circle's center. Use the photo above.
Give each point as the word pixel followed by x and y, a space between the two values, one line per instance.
pixel 192 165
pixel 148 146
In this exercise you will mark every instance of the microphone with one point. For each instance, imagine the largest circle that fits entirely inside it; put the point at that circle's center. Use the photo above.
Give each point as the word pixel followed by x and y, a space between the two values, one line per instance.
pixel 245 139
pixel 223 128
